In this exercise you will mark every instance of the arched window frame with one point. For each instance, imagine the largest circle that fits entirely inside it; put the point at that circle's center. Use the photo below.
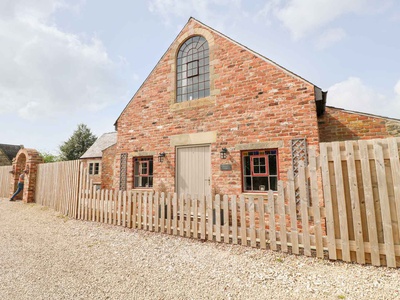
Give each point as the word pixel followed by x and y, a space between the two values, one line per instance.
pixel 193 69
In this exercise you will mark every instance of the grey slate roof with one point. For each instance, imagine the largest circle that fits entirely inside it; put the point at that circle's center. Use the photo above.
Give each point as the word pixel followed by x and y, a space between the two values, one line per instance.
pixel 10 150
pixel 103 142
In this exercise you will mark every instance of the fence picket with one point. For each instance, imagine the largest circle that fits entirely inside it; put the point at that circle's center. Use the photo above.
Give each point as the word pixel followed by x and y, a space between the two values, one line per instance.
pixel 129 209
pixel 344 231
pixel 226 219
pixel 169 213
pixel 252 216
pixel 293 213
pixel 188 215
pixel 135 210
pixel 243 225
pixel 195 217
pixel 395 167
pixel 175 214
pixel 385 205
pixel 304 208
pixel 234 220
pixel 139 210
pixel 261 213
pixel 282 217
pixel 355 203
pixel 181 214
pixel 151 210
pixel 145 210
pixel 272 223
pixel 315 203
pixel 210 232
pixel 217 211
pixel 326 186
pixel 157 212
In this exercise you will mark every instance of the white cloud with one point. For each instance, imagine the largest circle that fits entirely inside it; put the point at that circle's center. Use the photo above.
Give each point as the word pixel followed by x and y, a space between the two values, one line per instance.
pixel 353 94
pixel 302 17
pixel 217 12
pixel 330 37
pixel 46 71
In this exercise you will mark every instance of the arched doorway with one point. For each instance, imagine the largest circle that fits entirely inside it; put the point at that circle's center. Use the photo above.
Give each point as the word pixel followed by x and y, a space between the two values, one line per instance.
pixel 26 159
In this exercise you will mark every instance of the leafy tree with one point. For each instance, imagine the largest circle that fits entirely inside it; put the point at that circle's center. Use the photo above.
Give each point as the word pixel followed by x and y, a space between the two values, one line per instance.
pixel 48 157
pixel 78 143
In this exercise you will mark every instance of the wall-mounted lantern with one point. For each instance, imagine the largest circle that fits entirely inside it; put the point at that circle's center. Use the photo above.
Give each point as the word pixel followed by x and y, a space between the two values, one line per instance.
pixel 223 153
pixel 161 156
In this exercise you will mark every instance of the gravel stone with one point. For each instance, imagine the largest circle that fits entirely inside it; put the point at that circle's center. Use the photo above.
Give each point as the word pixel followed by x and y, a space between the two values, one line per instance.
pixel 45 255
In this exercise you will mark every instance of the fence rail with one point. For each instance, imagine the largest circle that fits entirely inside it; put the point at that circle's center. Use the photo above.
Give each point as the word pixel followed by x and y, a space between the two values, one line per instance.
pixel 5 181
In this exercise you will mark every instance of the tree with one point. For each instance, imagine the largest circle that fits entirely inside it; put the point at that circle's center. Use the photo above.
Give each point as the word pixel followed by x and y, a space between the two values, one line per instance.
pixel 48 157
pixel 78 143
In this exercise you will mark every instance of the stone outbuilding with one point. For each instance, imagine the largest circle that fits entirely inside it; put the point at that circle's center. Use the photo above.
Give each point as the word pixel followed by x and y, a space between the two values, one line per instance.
pixel 98 160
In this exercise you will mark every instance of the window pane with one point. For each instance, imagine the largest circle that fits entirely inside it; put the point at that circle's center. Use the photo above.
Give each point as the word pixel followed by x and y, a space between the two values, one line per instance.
pixel 247 184
pixel 272 165
pixel 258 182
pixel 246 165
pixel 274 183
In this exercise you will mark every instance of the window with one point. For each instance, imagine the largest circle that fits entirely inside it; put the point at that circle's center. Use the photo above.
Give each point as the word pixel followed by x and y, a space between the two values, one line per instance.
pixel 143 172
pixel 94 168
pixel 193 73
pixel 260 170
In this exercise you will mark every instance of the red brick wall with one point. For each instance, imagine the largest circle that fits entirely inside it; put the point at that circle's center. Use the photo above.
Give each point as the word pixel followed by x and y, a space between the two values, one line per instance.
pixel 251 101
pixel 340 125
pixel 107 167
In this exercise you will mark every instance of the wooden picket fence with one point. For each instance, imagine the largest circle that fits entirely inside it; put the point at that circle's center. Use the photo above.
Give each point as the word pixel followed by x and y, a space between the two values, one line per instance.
pixel 5 181
pixel 57 186
pixel 344 205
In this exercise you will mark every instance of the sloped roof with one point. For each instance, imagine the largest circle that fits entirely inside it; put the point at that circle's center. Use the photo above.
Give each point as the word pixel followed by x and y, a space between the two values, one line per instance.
pixel 10 150
pixel 103 142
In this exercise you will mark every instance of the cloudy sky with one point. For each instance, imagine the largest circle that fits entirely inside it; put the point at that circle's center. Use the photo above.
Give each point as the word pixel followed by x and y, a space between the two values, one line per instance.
pixel 65 62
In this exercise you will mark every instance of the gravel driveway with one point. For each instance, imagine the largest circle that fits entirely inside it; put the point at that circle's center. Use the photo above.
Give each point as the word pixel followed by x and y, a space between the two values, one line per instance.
pixel 45 255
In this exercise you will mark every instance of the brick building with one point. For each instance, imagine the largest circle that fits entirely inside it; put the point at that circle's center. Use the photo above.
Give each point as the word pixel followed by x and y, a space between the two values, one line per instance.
pixel 98 160
pixel 216 117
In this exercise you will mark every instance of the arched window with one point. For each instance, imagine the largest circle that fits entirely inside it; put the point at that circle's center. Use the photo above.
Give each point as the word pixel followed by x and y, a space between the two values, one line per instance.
pixel 192 70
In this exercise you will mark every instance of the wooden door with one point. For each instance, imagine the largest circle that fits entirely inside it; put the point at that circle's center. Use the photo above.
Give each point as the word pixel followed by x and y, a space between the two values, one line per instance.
pixel 193 170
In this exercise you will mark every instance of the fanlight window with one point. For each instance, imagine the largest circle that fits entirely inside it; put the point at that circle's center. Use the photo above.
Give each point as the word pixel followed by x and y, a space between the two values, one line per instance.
pixel 193 71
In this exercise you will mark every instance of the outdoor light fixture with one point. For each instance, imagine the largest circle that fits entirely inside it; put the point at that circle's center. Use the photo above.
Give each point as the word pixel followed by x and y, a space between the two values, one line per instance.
pixel 161 156
pixel 223 153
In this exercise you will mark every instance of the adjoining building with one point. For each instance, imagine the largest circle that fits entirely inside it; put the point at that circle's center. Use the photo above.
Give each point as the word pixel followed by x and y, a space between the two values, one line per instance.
pixel 98 160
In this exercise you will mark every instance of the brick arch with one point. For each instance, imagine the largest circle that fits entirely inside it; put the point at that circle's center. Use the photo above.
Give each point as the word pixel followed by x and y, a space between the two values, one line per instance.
pixel 26 159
